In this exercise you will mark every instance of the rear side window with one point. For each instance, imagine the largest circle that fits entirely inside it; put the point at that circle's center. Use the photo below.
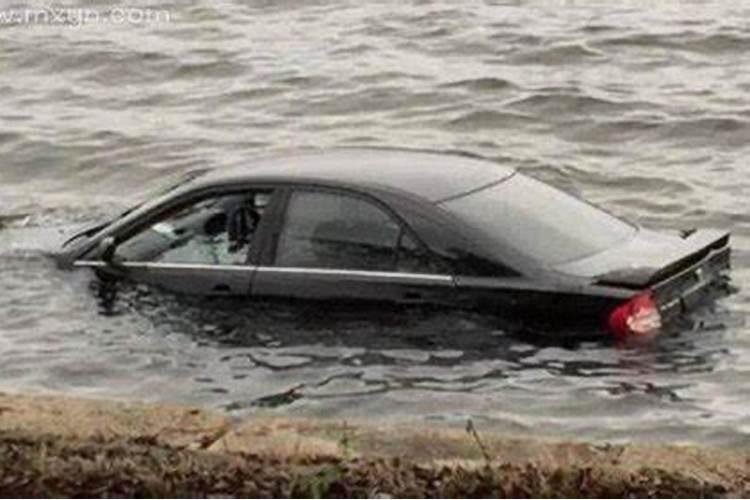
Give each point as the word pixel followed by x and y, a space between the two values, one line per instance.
pixel 540 221
pixel 336 231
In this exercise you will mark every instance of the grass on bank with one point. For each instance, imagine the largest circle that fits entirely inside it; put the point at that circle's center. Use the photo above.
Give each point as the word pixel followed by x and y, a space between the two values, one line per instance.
pixel 53 466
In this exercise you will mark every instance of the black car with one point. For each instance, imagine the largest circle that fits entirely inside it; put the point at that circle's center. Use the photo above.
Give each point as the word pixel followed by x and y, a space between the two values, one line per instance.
pixel 407 227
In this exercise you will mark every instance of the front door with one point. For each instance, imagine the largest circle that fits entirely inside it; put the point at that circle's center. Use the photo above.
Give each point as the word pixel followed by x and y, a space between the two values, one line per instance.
pixel 202 248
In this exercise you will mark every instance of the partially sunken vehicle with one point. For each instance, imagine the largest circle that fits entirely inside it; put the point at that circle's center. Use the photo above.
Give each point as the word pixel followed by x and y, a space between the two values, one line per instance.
pixel 407 227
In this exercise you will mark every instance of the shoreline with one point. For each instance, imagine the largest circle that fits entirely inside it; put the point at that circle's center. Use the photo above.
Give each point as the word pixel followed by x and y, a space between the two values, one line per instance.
pixel 62 446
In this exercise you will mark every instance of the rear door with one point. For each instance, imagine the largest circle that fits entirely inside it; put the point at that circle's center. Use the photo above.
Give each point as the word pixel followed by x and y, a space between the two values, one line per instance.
pixel 202 247
pixel 340 245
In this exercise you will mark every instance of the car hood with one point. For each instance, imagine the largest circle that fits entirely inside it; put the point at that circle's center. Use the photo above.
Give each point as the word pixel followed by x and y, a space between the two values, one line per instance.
pixel 646 258
pixel 73 232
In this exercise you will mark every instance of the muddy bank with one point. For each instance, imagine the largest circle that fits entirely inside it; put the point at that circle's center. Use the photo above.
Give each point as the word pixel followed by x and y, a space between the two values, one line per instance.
pixel 73 447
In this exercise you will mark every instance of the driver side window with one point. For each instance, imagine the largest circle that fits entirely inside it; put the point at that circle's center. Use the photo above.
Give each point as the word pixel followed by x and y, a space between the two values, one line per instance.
pixel 214 231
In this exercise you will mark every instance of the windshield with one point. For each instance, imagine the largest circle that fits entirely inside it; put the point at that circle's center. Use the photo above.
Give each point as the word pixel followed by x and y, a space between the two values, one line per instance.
pixel 539 221
pixel 170 183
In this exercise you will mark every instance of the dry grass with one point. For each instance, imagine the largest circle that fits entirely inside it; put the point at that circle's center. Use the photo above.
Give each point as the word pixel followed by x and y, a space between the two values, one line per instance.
pixel 54 466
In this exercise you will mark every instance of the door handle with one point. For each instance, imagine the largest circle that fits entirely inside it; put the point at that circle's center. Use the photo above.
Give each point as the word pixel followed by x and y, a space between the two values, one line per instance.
pixel 222 288
pixel 412 298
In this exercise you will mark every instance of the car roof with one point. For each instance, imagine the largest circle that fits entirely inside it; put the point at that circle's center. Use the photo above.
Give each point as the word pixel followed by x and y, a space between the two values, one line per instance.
pixel 430 175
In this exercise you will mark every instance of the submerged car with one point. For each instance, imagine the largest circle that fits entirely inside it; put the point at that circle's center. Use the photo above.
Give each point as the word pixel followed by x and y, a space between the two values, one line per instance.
pixel 407 227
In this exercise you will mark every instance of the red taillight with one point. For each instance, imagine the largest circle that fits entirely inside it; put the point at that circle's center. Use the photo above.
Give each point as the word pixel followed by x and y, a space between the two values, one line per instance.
pixel 638 316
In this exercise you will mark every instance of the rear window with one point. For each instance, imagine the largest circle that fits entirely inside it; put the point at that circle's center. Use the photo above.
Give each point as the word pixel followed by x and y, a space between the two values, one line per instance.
pixel 540 221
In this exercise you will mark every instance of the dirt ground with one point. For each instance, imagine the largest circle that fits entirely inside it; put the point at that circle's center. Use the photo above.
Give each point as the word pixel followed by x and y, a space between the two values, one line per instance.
pixel 52 446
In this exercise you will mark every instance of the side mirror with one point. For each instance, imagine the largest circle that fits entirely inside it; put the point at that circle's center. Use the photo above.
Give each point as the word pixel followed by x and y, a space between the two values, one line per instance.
pixel 106 249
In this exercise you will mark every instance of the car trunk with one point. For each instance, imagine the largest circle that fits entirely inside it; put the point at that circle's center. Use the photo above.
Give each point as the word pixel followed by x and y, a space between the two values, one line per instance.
pixel 679 269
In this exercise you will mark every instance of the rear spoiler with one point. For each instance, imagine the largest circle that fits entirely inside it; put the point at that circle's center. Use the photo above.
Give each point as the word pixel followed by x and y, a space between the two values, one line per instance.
pixel 701 244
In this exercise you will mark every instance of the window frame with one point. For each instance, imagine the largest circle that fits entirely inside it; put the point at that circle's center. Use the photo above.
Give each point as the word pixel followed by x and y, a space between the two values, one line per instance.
pixel 268 258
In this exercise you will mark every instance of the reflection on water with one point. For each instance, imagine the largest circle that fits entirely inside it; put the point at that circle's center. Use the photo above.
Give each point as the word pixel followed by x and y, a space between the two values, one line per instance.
pixel 307 359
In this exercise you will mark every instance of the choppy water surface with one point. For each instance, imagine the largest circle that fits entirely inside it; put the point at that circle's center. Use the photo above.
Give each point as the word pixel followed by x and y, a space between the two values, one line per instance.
pixel 643 108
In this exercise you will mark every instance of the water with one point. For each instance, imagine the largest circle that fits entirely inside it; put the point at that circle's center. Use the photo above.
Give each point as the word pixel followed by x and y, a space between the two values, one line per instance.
pixel 642 107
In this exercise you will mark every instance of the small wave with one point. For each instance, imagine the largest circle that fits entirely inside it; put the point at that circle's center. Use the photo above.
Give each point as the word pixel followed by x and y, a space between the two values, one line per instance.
pixel 485 84
pixel 361 139
pixel 586 179
pixel 598 28
pixel 665 41
pixel 715 124
pixel 14 220
pixel 100 65
pixel 213 70
pixel 515 39
pixel 250 94
pixel 359 48
pixel 476 120
pixel 374 100
pixel 111 63
pixel 387 76
pixel 465 48
pixel 430 17
pixel 9 137
pixel 616 131
pixel 726 131
pixel 641 204
pixel 720 42
pixel 434 33
pixel 22 238
pixel 559 55
pixel 302 81
pixel 687 41
pixel 374 28
pixel 562 103
pixel 146 100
